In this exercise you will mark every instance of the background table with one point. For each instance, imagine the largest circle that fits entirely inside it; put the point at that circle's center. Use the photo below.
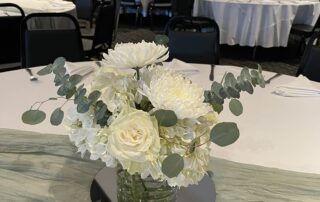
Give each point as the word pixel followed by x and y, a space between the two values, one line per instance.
pixel 264 23
pixel 44 6
pixel 278 132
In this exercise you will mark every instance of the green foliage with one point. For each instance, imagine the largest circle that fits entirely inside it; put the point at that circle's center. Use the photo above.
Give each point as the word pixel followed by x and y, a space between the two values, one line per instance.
pixel 172 165
pixel 67 88
pixel 33 117
pixel 224 133
pixel 231 87
pixel 235 107
pixel 166 118
pixel 161 39
pixel 56 117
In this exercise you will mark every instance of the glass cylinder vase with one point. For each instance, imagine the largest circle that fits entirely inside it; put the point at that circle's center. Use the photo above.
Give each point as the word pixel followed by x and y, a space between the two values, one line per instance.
pixel 132 188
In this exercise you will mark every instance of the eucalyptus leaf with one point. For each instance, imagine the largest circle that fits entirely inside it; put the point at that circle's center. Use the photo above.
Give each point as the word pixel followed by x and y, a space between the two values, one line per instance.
pixel 71 92
pixel 217 107
pixel 56 117
pixel 172 165
pixel 60 71
pixel 230 80
pixel 216 87
pixel 224 133
pixel 94 96
pixel 59 62
pixel 233 92
pixel 248 87
pixel 83 106
pixel 75 79
pixel 53 98
pixel 46 70
pixel 161 39
pixel 101 111
pixel 33 117
pixel 166 118
pixel 235 107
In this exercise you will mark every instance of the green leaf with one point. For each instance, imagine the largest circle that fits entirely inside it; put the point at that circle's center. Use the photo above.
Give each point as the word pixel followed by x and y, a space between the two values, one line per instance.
pixel 71 92
pixel 172 165
pixel 245 74
pixel 216 87
pixel 59 62
pixel 75 79
pixel 94 96
pixel 33 117
pixel 59 80
pixel 101 111
pixel 217 107
pixel 248 87
pixel 46 70
pixel 230 80
pixel 166 118
pixel 161 39
pixel 224 133
pixel 233 92
pixel 235 107
pixel 61 71
pixel 56 117
pixel 83 106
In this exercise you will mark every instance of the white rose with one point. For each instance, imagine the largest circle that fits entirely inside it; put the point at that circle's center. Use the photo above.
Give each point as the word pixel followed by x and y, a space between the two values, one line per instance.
pixel 134 140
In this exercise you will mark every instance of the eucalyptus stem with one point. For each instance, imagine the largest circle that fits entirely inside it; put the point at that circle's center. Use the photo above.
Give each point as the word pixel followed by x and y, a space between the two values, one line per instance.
pixel 223 77
pixel 137 72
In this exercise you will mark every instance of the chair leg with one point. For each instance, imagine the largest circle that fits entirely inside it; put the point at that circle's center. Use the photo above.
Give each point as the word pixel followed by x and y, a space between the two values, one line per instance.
pixel 137 17
pixel 151 18
pixel 300 47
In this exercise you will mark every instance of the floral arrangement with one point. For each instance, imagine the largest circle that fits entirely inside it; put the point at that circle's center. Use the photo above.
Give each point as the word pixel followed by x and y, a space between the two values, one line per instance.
pixel 153 121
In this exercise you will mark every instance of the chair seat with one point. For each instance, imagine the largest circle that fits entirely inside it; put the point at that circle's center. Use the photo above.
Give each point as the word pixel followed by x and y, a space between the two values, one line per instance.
pixel 124 3
pixel 161 4
pixel 301 29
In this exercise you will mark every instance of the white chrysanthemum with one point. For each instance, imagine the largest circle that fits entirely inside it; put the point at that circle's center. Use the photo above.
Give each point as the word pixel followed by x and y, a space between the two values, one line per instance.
pixel 132 55
pixel 171 91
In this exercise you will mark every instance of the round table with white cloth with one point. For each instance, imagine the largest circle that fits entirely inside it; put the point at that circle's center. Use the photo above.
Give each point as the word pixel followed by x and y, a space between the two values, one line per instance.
pixel 264 23
pixel 43 6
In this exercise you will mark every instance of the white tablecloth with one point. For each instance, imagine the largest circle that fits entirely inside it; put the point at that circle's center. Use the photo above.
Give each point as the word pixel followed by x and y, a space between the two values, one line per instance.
pixel 43 6
pixel 264 23
pixel 275 131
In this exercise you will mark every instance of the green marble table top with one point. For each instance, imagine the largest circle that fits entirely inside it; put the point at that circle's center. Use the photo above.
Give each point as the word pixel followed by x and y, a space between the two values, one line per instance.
pixel 46 167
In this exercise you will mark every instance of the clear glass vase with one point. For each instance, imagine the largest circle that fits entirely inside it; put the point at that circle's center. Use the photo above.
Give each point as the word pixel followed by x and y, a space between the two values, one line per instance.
pixel 131 188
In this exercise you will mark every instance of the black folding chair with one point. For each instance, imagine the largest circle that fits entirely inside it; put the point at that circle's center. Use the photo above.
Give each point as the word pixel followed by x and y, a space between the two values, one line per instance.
pixel 161 7
pixel 193 39
pixel 310 63
pixel 304 32
pixel 131 4
pixel 42 46
pixel 85 9
pixel 103 33
pixel 10 32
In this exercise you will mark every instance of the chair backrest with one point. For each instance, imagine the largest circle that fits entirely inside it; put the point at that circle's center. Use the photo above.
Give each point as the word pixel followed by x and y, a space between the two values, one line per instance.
pixel 193 39
pixel 182 7
pixel 84 9
pixel 310 62
pixel 105 24
pixel 10 32
pixel 42 46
